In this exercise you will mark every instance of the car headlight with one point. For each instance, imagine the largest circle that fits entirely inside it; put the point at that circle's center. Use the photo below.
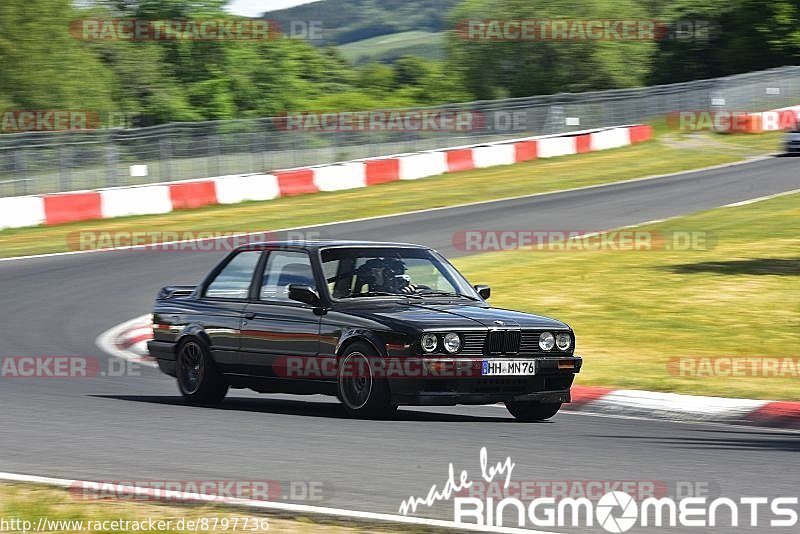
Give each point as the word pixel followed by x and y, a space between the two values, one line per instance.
pixel 546 341
pixel 563 341
pixel 429 342
pixel 452 342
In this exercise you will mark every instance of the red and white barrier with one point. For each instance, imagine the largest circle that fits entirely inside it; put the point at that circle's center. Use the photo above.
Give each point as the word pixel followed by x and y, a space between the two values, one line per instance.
pixel 422 165
pixel 551 147
pixel 160 198
pixel 613 138
pixel 349 175
pixel 144 200
pixel 237 188
pixel 494 155
pixel 18 212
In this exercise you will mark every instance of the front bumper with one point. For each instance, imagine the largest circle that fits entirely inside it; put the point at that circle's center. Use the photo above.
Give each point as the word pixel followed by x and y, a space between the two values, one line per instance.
pixel 550 384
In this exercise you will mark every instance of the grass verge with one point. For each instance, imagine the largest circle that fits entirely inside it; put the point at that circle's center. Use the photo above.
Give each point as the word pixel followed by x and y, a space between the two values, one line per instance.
pixel 62 512
pixel 669 152
pixel 633 311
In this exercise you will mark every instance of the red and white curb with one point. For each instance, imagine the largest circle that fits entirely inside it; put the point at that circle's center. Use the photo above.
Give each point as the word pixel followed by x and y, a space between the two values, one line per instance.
pixel 684 408
pixel 129 341
pixel 160 198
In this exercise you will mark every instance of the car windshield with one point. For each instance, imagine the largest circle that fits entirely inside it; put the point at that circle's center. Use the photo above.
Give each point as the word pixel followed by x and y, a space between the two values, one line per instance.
pixel 382 272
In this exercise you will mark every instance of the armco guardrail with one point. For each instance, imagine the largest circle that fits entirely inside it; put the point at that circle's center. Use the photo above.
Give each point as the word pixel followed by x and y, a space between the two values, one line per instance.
pixel 159 198
pixel 39 162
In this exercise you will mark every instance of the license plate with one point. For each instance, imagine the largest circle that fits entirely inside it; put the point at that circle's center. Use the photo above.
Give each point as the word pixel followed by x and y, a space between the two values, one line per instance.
pixel 496 367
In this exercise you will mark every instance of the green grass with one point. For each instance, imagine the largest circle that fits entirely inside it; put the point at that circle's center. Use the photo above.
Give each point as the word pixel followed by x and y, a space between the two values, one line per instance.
pixel 634 310
pixel 26 502
pixel 392 46
pixel 655 157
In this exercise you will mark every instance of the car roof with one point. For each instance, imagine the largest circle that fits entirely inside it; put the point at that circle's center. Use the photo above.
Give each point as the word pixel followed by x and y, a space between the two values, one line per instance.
pixel 318 244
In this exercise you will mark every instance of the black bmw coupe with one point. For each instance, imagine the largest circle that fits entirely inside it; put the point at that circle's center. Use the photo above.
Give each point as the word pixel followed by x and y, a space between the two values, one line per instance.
pixel 376 324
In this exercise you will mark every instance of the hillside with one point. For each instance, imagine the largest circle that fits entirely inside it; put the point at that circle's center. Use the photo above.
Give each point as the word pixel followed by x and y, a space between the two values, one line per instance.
pixel 348 21
pixel 388 48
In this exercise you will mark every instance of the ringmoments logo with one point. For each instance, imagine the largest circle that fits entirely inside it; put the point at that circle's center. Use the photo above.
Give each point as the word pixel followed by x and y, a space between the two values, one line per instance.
pixel 615 511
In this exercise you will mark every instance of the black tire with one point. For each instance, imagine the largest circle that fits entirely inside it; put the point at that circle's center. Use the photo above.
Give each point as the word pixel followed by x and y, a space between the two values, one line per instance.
pixel 198 379
pixel 529 411
pixel 363 396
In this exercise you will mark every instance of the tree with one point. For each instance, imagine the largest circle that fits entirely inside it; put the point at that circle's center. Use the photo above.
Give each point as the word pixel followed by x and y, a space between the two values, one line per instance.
pixel 500 68
pixel 731 36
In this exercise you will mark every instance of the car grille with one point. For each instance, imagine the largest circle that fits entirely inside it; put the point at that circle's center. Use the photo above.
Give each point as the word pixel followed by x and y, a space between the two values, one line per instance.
pixel 473 343
pixel 504 343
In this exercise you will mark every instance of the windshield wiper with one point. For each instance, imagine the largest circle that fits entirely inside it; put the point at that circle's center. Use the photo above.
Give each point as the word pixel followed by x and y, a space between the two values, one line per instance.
pixel 381 294
pixel 445 294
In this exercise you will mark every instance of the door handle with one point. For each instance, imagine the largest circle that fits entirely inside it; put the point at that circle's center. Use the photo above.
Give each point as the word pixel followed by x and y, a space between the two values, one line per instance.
pixel 250 315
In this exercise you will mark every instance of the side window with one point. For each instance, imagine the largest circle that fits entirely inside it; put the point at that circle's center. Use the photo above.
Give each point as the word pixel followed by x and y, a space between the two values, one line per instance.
pixel 284 268
pixel 330 270
pixel 233 281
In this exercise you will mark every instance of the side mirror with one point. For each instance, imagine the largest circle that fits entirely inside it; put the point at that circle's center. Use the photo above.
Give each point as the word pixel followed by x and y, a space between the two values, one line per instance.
pixel 484 291
pixel 304 294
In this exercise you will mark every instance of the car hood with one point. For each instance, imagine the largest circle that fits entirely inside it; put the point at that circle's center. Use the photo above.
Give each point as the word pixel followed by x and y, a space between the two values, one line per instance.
pixel 422 316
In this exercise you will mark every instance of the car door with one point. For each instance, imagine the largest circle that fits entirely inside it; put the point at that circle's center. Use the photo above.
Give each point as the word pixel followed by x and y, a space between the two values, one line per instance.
pixel 221 307
pixel 278 332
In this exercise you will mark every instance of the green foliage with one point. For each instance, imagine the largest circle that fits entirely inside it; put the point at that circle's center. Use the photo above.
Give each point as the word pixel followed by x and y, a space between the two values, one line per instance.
pixel 494 69
pixel 43 67
pixel 742 36
pixel 387 63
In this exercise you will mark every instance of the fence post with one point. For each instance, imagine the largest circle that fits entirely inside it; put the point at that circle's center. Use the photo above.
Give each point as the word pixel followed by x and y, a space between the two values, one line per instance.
pixel 112 162
pixel 164 158
pixel 21 172
pixel 64 178
pixel 212 167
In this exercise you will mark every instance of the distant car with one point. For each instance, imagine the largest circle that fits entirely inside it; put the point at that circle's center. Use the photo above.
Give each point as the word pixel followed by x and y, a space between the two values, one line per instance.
pixel 376 324
pixel 791 140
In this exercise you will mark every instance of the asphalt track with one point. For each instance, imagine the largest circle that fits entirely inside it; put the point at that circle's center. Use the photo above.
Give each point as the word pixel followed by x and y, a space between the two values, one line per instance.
pixel 136 427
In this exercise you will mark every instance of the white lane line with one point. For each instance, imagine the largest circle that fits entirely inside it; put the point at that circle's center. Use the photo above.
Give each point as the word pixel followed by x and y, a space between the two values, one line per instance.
pixel 413 212
pixel 759 199
pixel 107 341
pixel 264 505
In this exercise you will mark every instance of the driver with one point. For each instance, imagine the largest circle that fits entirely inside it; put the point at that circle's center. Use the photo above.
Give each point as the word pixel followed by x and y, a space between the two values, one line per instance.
pixel 386 275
